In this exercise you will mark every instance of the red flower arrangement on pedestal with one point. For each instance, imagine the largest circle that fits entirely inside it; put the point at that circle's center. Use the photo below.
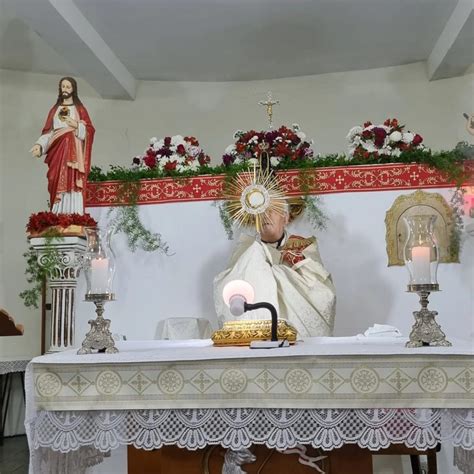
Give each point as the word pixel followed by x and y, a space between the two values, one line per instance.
pixel 379 141
pixel 43 221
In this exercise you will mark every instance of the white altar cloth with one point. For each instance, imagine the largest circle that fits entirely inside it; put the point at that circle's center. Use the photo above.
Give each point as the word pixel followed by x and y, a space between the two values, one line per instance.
pixel 323 391
pixel 353 372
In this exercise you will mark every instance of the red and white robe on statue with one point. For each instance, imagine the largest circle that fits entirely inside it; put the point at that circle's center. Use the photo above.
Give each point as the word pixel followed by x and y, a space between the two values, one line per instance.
pixel 68 156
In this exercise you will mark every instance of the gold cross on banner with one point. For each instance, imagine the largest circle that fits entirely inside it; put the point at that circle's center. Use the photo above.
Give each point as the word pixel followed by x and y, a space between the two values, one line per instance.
pixel 269 103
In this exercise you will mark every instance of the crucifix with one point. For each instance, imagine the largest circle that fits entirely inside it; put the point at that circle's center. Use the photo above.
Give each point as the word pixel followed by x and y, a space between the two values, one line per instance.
pixel 269 103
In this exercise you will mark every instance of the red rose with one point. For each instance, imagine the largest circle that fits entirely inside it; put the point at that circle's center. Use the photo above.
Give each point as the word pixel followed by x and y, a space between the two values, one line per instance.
pixel 167 141
pixel 204 159
pixel 170 166
pixel 380 135
pixel 150 161
pixel 282 149
pixel 417 140
pixel 240 147
pixel 181 150
pixel 191 140
pixel 366 134
pixel 387 123
pixel 367 124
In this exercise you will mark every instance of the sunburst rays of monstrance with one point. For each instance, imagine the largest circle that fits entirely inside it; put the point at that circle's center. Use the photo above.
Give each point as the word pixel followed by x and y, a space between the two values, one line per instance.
pixel 252 196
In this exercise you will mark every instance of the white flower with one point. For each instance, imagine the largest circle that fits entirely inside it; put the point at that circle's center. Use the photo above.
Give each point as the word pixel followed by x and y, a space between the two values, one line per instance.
pixel 237 134
pixel 395 136
pixel 354 132
pixel 253 161
pixel 180 159
pixel 301 135
pixel 230 150
pixel 153 140
pixel 177 140
pixel 192 150
pixel 275 160
pixel 370 147
pixel 295 127
pixel 408 137
pixel 238 160
pixel 254 139
pixel 396 152
pixel 278 139
pixel 194 165
pixel 158 144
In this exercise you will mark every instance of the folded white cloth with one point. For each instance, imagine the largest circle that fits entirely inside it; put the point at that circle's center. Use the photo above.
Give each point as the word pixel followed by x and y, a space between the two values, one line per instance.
pixel 382 330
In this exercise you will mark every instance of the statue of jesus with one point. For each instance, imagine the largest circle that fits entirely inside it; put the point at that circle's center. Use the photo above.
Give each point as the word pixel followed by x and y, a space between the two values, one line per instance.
pixel 66 141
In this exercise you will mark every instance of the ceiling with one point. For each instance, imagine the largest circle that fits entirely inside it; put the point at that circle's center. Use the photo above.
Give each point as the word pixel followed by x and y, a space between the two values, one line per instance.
pixel 231 40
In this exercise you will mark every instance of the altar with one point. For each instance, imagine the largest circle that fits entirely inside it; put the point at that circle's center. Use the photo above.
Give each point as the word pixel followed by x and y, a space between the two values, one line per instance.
pixel 321 392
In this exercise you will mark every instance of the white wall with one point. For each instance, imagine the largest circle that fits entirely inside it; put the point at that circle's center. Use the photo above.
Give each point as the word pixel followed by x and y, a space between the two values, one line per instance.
pixel 151 288
pixel 325 106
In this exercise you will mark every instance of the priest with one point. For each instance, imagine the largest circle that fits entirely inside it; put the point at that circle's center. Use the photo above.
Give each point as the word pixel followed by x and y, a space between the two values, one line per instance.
pixel 286 271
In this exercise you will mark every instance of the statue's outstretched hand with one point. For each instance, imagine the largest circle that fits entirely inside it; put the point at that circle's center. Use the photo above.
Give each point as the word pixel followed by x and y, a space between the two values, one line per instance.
pixel 36 150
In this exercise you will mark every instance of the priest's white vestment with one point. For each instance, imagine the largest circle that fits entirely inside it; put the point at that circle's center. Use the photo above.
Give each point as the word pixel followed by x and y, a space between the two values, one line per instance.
pixel 290 276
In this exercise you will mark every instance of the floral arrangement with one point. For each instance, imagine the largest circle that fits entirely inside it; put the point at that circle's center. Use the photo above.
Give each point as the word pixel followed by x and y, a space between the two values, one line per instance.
pixel 175 153
pixel 42 221
pixel 382 141
pixel 285 146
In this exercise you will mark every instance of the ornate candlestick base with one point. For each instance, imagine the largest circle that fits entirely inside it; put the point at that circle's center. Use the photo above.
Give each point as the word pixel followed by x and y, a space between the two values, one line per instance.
pixel 99 337
pixel 426 331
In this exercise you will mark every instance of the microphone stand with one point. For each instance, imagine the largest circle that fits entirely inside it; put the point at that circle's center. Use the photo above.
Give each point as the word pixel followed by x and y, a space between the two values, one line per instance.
pixel 273 312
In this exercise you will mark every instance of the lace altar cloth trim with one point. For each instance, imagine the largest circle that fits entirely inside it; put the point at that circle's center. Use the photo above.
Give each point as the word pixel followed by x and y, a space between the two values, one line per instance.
pixel 9 366
pixel 239 428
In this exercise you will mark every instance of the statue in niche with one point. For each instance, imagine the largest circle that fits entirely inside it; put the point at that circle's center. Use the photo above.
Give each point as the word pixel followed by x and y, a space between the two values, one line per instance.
pixel 66 141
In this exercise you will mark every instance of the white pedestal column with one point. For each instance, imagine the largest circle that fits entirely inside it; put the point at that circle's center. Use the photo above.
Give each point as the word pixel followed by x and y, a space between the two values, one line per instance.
pixel 63 287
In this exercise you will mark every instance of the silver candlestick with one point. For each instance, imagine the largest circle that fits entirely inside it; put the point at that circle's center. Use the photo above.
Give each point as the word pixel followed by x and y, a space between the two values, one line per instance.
pixel 99 337
pixel 426 331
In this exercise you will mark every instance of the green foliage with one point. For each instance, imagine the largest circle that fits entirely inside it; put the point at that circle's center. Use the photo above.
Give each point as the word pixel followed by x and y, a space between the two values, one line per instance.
pixel 449 162
pixel 225 218
pixel 126 219
pixel 37 274
pixel 457 205
pixel 313 210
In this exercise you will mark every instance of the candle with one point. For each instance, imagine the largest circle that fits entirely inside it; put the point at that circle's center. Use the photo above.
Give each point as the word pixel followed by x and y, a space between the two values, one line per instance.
pixel 421 265
pixel 100 275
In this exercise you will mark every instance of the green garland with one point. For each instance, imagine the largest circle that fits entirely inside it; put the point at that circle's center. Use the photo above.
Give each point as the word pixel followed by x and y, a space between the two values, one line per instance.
pixel 445 161
pixel 457 205
pixel 36 274
pixel 126 219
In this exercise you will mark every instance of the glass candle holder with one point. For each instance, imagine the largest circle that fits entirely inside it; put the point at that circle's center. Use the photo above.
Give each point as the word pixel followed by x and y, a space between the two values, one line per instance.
pixel 99 269
pixel 99 262
pixel 421 256
pixel 421 253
